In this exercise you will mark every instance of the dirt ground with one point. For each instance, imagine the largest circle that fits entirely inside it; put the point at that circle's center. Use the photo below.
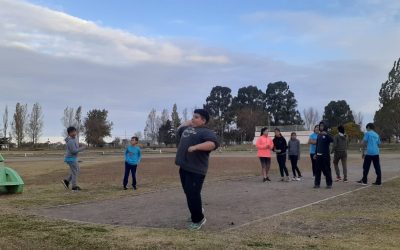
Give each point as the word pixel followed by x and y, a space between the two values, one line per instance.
pixel 233 194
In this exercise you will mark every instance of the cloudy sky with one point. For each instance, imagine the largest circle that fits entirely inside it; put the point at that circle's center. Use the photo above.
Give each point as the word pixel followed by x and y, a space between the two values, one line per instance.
pixel 132 56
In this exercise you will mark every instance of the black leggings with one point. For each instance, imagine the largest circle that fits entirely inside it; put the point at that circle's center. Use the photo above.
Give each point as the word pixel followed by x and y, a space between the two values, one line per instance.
pixel 293 160
pixel 282 164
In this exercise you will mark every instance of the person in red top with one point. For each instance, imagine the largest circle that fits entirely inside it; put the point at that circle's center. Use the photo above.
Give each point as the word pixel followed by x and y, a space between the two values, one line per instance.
pixel 264 145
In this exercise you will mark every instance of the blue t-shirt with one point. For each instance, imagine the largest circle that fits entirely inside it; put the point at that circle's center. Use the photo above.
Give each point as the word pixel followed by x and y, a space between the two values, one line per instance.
pixel 133 155
pixel 313 147
pixel 373 141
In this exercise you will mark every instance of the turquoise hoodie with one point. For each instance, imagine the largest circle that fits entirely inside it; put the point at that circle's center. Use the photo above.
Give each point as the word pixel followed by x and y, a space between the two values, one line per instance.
pixel 133 155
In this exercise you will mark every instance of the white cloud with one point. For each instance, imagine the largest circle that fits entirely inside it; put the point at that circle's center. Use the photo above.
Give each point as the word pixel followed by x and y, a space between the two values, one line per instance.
pixel 59 34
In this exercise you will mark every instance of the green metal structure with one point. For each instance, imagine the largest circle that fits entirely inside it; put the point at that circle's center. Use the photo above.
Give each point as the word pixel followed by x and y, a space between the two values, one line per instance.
pixel 10 181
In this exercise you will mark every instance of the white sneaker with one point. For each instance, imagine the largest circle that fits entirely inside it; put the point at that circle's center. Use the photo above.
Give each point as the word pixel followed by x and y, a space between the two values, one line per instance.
pixel 298 179
pixel 294 179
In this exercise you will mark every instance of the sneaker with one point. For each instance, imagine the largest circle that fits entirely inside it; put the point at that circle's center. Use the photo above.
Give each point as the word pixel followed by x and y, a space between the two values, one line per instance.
pixel 338 179
pixel 282 179
pixel 189 219
pixel 362 183
pixel 264 179
pixel 65 183
pixel 76 188
pixel 267 179
pixel 377 184
pixel 134 187
pixel 298 179
pixel 294 178
pixel 197 226
pixel 125 188
pixel 345 180
pixel 316 186
pixel 328 187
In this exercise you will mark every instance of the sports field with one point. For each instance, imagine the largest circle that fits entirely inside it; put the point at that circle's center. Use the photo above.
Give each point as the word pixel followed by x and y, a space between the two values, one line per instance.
pixel 242 211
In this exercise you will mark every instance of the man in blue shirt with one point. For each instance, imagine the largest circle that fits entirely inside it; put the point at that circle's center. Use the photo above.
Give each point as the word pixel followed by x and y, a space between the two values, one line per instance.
pixel 313 146
pixel 372 142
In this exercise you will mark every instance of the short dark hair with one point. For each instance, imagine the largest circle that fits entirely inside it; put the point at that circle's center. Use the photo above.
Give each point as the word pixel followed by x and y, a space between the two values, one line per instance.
pixel 293 133
pixel 316 126
pixel 370 126
pixel 203 113
pixel 263 130
pixel 71 129
pixel 340 128
pixel 135 138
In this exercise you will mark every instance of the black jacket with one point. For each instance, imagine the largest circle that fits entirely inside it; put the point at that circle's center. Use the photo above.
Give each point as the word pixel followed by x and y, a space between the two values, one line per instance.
pixel 280 143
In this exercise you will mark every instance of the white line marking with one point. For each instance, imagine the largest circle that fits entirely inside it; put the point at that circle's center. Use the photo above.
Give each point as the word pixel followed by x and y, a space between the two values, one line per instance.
pixel 297 208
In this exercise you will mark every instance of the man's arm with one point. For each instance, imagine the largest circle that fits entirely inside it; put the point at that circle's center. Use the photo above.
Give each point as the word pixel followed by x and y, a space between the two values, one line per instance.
pixel 205 146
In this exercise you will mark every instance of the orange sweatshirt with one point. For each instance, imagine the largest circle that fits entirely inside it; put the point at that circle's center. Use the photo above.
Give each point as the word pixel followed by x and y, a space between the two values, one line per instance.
pixel 264 145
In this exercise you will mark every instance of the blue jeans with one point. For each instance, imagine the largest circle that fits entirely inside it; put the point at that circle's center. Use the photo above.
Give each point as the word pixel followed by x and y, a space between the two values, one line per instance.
pixel 128 169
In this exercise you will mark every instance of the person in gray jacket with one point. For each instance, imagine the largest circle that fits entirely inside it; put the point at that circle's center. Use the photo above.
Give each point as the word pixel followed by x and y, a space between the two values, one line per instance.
pixel 294 155
pixel 339 149
pixel 71 158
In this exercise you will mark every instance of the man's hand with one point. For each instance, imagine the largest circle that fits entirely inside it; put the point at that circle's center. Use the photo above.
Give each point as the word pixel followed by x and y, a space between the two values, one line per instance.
pixel 191 149
pixel 315 157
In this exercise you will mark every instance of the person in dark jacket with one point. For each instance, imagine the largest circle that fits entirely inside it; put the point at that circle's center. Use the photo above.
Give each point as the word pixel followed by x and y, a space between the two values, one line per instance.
pixel 280 148
pixel 339 150
pixel 322 155
pixel 196 141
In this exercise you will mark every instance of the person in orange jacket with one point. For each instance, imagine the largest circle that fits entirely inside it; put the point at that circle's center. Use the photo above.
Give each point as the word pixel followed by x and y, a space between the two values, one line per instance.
pixel 264 145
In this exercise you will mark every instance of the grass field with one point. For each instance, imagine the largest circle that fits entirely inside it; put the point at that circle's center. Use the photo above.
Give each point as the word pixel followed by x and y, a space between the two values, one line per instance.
pixel 365 219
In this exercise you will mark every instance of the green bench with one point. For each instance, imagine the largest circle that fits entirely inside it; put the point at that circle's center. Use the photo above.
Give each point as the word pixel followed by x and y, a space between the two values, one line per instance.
pixel 10 181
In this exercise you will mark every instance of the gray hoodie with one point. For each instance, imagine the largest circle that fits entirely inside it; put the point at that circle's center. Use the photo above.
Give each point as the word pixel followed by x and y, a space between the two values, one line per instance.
pixel 294 147
pixel 73 149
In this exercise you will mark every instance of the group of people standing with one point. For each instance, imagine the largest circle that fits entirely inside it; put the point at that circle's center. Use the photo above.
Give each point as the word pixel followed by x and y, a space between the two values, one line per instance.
pixel 320 154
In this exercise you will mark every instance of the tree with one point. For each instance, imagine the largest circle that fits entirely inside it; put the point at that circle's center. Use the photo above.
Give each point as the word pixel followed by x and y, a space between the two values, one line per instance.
pixel 97 127
pixel 391 88
pixel 387 117
pixel 19 123
pixel 282 105
pixel 35 125
pixel 185 114
pixel 219 106
pixel 311 117
pixel 338 113
pixel 248 109
pixel 164 116
pixel 249 97
pixel 152 126
pixel 5 122
pixel 176 121
pixel 358 118
pixel 78 122
pixel 247 120
pixel 166 133
pixel 68 120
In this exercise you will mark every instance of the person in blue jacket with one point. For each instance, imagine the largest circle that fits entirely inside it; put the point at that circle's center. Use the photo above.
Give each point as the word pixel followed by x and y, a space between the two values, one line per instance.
pixel 133 157
pixel 371 143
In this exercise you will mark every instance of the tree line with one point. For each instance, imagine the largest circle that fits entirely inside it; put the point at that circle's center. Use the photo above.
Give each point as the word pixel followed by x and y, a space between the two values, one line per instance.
pixel 26 128
pixel 234 118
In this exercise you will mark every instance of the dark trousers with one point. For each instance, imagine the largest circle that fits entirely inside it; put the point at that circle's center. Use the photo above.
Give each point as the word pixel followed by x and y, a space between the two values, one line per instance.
pixel 130 169
pixel 192 184
pixel 367 164
pixel 323 166
pixel 313 164
pixel 282 164
pixel 293 160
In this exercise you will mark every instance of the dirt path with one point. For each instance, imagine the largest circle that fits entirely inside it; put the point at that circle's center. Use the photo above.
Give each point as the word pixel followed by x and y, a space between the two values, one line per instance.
pixel 227 203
